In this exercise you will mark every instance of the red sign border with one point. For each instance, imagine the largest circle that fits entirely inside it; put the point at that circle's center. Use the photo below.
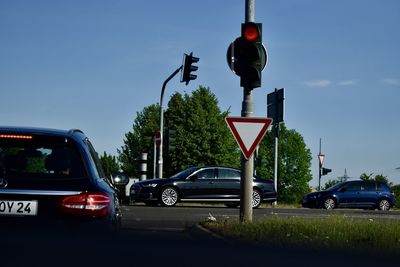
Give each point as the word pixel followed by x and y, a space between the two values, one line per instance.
pixel 247 153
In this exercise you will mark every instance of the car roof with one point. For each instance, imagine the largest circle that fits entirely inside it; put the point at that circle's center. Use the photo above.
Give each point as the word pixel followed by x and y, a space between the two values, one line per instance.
pixel 41 131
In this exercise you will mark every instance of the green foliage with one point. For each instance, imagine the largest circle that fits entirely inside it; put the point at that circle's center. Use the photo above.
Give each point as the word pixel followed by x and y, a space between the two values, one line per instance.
pixel 201 134
pixel 110 164
pixel 376 178
pixel 396 191
pixel 294 163
pixel 140 140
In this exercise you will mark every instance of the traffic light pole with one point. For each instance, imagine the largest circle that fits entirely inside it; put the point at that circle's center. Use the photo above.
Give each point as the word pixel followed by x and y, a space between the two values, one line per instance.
pixel 247 166
pixel 160 148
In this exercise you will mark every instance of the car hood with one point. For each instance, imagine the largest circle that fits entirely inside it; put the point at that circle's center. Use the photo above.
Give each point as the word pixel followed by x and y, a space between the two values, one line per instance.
pixel 315 194
pixel 154 181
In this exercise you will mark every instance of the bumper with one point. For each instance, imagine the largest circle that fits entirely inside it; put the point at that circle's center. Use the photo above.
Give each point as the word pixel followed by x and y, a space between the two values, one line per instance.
pixel 138 194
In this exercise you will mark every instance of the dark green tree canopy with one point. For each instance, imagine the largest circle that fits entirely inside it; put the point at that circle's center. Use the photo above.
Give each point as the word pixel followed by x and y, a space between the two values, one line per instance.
pixel 140 140
pixel 110 164
pixel 294 164
pixel 201 134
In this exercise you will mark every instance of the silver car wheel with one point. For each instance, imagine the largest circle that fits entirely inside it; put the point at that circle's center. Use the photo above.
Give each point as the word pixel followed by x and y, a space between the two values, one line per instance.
pixel 384 205
pixel 329 204
pixel 169 196
pixel 256 200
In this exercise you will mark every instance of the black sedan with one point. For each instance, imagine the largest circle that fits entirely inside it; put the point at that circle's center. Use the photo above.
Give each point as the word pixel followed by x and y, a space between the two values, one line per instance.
pixel 54 178
pixel 201 184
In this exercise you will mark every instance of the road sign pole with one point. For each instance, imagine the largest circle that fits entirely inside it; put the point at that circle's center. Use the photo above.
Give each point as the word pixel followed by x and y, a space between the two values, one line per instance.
pixel 160 148
pixel 247 165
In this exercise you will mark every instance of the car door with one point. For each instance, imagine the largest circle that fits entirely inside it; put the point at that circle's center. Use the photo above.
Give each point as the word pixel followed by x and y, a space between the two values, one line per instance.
pixel 227 184
pixel 199 185
pixel 349 194
pixel 368 194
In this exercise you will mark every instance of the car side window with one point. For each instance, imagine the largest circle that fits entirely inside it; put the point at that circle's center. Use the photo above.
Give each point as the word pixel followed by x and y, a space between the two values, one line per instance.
pixel 228 174
pixel 353 187
pixel 98 168
pixel 382 187
pixel 206 174
pixel 368 187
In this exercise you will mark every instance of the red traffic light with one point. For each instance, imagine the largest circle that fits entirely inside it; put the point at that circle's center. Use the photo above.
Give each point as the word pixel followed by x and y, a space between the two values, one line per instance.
pixel 250 31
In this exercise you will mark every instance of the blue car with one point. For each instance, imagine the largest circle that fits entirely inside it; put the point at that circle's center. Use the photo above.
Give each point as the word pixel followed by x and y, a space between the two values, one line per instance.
pixel 352 194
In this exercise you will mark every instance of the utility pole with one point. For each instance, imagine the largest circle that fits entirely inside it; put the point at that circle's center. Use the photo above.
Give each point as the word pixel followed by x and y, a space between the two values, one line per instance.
pixel 321 158
pixel 187 68
pixel 160 148
pixel 247 165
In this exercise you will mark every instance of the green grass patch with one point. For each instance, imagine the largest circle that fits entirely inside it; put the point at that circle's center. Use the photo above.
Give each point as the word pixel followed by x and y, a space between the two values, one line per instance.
pixel 331 232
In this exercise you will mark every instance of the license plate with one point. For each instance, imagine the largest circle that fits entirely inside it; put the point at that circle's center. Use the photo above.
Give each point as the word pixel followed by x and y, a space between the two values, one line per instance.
pixel 18 207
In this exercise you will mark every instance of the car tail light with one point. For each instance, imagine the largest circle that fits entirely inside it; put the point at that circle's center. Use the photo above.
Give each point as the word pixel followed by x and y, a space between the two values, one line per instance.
pixel 86 204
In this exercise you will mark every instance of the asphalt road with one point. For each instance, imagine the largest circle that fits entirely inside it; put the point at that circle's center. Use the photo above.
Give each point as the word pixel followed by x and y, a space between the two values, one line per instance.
pixel 159 236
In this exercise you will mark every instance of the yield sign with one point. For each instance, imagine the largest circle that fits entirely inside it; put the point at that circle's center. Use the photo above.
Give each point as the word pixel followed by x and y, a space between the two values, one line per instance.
pixel 248 132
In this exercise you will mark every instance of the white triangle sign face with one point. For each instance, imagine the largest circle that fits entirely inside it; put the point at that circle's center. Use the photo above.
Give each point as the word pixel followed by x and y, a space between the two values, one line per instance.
pixel 248 132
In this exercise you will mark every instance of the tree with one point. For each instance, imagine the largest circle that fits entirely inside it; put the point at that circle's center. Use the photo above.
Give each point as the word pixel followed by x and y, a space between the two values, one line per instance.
pixel 294 164
pixel 201 134
pixel 396 191
pixel 110 164
pixel 140 140
pixel 376 178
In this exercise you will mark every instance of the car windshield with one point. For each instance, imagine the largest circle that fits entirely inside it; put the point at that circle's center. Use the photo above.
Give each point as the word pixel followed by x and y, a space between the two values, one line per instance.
pixel 334 187
pixel 184 173
pixel 30 156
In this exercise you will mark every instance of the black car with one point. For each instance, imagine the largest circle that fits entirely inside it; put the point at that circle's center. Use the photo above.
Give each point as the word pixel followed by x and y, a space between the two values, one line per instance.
pixel 201 184
pixel 352 194
pixel 54 177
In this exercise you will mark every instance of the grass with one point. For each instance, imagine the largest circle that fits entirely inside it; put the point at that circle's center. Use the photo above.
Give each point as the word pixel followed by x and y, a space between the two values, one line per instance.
pixel 332 232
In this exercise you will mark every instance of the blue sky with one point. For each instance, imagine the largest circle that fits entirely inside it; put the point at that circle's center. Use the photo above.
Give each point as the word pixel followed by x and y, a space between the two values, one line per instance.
pixel 93 64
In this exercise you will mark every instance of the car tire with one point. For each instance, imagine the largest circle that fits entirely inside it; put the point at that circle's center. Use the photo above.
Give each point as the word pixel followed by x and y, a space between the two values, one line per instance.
pixel 329 203
pixel 169 196
pixel 256 199
pixel 384 204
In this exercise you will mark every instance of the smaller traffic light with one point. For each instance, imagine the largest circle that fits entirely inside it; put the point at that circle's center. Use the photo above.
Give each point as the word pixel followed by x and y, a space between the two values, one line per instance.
pixel 325 171
pixel 171 139
pixel 188 68
pixel 275 105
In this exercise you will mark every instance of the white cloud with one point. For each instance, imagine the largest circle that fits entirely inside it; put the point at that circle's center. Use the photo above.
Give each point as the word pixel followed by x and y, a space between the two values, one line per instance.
pixel 318 83
pixel 347 82
pixel 389 81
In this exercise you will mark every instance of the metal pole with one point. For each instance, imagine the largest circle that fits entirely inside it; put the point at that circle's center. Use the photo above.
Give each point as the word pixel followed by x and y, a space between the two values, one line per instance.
pixel 250 10
pixel 320 167
pixel 247 166
pixel 160 149
pixel 154 157
pixel 276 133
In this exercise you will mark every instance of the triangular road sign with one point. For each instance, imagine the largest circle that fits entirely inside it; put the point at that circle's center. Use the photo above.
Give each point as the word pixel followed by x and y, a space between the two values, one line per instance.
pixel 248 132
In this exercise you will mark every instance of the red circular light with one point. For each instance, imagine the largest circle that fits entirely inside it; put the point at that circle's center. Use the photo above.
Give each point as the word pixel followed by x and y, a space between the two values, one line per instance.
pixel 251 33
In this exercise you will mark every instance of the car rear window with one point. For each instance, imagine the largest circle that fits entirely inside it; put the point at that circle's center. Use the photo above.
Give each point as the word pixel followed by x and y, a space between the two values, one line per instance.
pixel 38 156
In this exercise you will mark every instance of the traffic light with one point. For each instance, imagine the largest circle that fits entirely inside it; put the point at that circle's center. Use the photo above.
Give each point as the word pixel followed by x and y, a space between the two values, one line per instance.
pixel 275 105
pixel 187 68
pixel 252 55
pixel 325 171
pixel 171 140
